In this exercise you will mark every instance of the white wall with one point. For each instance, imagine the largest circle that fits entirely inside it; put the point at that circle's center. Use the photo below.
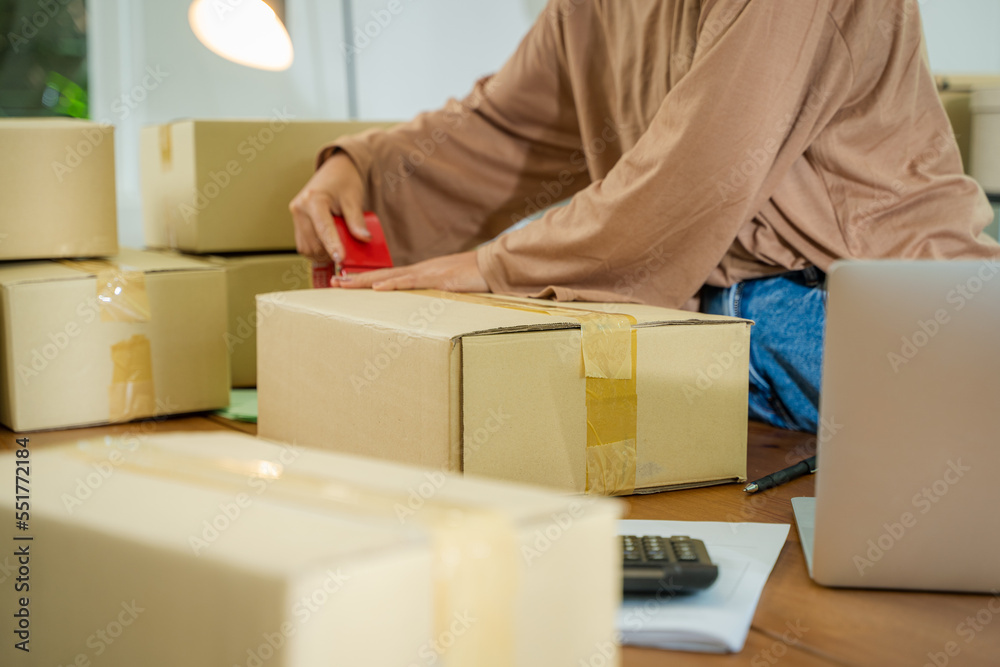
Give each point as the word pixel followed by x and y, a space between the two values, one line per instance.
pixel 129 40
pixel 963 36
pixel 434 49
pixel 429 50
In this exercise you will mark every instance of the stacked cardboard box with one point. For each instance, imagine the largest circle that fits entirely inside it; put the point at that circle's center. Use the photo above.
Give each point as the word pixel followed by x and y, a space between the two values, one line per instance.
pixel 956 92
pixel 977 133
pixel 100 335
pixel 57 185
pixel 246 277
pixel 985 158
pixel 222 549
pixel 96 341
pixel 223 187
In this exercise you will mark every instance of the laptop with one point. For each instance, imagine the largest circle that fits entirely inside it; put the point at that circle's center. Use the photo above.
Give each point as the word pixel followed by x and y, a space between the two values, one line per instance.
pixel 908 460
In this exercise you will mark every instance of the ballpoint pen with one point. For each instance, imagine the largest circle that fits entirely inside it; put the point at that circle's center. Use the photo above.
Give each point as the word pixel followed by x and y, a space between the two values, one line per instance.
pixel 788 474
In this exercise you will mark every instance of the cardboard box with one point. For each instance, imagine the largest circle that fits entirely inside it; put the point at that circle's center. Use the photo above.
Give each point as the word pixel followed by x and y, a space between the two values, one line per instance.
pixel 985 166
pixel 57 185
pixel 246 277
pixel 212 186
pixel 509 388
pixel 110 341
pixel 956 105
pixel 956 91
pixel 221 549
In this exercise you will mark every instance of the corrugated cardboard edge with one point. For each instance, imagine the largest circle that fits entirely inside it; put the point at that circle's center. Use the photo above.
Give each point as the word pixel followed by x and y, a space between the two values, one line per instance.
pixel 689 485
pixel 456 454
pixel 8 405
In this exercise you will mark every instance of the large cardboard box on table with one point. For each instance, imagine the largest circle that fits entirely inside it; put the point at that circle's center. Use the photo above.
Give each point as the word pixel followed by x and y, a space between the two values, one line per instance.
pixel 222 549
pixel 600 398
pixel 57 189
pixel 246 277
pixel 211 186
pixel 90 342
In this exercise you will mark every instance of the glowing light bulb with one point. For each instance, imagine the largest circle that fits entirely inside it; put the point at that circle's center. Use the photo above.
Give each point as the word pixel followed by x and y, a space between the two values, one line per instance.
pixel 247 32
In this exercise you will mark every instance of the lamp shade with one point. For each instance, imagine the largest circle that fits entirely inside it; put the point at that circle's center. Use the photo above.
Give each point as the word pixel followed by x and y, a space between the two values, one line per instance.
pixel 247 32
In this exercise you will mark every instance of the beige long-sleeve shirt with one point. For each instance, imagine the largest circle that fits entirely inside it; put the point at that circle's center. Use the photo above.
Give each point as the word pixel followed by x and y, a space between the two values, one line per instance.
pixel 702 141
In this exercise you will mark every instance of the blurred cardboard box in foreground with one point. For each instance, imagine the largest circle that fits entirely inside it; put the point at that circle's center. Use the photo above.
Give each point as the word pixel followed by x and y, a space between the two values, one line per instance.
pixel 216 549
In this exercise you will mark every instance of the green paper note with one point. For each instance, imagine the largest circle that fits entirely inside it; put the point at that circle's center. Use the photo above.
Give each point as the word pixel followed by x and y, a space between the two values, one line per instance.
pixel 242 406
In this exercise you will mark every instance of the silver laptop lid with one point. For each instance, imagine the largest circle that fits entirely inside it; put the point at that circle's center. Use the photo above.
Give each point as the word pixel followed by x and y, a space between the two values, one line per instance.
pixel 907 494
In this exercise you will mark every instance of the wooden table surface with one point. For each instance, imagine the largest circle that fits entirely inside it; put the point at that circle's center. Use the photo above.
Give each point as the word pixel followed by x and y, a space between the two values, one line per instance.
pixel 797 622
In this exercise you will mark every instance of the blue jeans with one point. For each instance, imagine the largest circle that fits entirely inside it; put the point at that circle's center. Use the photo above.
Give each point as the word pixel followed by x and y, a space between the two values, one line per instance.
pixel 786 343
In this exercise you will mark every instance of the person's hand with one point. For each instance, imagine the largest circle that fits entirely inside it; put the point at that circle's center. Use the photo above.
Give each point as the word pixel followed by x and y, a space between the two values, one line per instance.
pixel 451 273
pixel 335 188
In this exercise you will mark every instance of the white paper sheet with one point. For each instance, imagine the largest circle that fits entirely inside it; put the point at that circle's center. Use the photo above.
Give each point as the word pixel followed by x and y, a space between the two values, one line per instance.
pixel 716 620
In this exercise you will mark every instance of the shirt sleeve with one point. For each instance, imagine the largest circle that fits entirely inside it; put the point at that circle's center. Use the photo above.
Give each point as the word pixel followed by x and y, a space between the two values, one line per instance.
pixel 454 178
pixel 764 79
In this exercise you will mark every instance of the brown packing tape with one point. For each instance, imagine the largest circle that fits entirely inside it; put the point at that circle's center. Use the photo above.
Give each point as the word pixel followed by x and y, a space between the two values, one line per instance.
pixel 475 551
pixel 166 147
pixel 608 346
pixel 122 297
pixel 121 291
pixel 131 394
pixel 612 424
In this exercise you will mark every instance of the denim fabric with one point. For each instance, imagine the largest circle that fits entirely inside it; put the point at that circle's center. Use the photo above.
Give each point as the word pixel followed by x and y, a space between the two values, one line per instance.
pixel 786 343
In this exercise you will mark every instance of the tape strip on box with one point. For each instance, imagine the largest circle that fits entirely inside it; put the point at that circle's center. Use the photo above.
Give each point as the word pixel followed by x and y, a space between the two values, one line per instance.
pixel 608 347
pixel 166 147
pixel 131 394
pixel 612 409
pixel 121 291
pixel 122 297
pixel 475 550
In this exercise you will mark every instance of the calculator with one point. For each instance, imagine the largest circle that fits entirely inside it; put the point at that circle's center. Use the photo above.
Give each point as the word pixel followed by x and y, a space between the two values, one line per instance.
pixel 671 565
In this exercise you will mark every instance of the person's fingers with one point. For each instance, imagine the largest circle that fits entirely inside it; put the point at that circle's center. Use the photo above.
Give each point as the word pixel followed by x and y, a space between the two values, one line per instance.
pixel 354 216
pixel 305 237
pixel 318 209
pixel 406 281
pixel 454 273
pixel 368 278
pixel 336 187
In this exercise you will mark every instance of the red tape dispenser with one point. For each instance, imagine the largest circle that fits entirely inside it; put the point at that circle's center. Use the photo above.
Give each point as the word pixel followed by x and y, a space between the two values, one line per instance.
pixel 359 256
